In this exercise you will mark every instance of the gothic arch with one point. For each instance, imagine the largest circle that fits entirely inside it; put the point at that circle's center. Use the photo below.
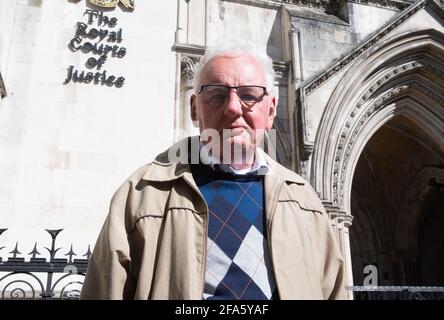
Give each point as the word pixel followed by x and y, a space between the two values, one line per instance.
pixel 404 75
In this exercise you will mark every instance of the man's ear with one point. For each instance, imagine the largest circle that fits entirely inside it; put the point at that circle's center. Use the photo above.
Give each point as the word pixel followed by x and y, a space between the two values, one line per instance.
pixel 193 107
pixel 272 112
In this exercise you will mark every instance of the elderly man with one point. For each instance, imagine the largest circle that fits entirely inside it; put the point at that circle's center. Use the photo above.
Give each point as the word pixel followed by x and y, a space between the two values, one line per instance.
pixel 214 217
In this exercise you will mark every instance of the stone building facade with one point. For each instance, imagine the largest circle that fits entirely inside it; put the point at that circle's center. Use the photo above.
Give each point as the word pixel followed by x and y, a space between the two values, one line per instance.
pixel 360 114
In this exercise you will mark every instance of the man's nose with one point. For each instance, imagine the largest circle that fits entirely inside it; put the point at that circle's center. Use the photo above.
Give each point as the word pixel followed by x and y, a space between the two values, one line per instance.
pixel 233 105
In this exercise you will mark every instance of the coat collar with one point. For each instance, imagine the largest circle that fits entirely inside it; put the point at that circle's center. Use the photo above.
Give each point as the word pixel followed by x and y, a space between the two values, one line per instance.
pixel 164 169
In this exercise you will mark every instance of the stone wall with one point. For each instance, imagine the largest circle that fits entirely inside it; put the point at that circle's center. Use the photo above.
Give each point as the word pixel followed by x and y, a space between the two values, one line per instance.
pixel 65 148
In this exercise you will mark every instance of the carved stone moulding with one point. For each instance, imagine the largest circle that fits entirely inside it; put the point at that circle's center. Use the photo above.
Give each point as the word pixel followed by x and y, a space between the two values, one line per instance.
pixel 188 64
pixel 317 81
pixel 390 4
pixel 349 137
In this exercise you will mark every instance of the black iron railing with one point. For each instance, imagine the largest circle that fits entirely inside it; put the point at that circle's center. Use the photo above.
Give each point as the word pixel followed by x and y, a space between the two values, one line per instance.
pixel 61 278
pixel 40 278
pixel 397 293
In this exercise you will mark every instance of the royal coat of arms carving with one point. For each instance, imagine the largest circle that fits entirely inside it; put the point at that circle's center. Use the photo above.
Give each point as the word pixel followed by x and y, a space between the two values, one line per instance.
pixel 113 3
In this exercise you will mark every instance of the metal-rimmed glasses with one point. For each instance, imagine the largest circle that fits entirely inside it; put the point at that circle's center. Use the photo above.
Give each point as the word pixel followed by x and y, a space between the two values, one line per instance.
pixel 216 94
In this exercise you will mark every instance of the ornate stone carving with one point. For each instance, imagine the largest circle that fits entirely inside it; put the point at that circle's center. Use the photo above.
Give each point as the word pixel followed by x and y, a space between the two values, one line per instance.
pixel 437 8
pixel 330 6
pixel 306 151
pixel 390 4
pixel 326 4
pixel 338 66
pixel 348 138
pixel 188 64
pixel 129 4
pixel 318 4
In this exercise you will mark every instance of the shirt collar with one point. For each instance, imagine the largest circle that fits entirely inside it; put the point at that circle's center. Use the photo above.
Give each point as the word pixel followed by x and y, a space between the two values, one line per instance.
pixel 260 165
pixel 164 168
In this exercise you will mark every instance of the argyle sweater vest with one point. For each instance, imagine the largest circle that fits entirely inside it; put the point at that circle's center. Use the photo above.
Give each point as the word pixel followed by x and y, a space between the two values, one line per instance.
pixel 238 261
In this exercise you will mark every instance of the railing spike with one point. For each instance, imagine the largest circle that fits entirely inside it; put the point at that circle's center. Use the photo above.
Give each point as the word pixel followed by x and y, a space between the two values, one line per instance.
pixel 15 252
pixel 54 233
pixel 88 253
pixel 71 253
pixel 34 251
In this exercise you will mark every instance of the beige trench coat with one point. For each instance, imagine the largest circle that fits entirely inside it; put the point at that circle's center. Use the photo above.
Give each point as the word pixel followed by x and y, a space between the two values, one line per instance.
pixel 153 243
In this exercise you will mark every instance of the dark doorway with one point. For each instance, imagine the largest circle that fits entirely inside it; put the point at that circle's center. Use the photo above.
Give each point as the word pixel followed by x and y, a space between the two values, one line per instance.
pixel 431 239
pixel 398 208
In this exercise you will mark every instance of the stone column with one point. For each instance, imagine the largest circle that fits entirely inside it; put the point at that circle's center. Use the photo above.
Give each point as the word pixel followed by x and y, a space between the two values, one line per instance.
pixel 296 57
pixel 186 127
pixel 341 222
pixel 182 17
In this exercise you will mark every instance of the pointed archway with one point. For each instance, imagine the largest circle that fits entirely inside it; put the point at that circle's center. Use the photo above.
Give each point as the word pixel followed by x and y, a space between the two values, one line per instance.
pixel 398 82
pixel 395 204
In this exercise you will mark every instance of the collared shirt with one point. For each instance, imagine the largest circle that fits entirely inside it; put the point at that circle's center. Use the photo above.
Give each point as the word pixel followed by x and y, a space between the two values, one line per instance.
pixel 259 167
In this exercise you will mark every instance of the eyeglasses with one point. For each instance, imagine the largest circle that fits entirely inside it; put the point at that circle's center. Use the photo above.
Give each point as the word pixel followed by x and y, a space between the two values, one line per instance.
pixel 216 95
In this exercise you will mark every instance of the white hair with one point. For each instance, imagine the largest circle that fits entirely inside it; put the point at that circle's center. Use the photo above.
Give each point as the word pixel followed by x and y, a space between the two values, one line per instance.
pixel 234 49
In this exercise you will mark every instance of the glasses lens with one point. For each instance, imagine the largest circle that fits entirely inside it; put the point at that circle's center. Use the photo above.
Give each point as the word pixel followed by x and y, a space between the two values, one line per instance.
pixel 250 94
pixel 216 95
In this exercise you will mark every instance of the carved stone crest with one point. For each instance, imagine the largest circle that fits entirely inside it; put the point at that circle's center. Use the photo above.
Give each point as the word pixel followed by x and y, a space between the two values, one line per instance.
pixel 129 4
